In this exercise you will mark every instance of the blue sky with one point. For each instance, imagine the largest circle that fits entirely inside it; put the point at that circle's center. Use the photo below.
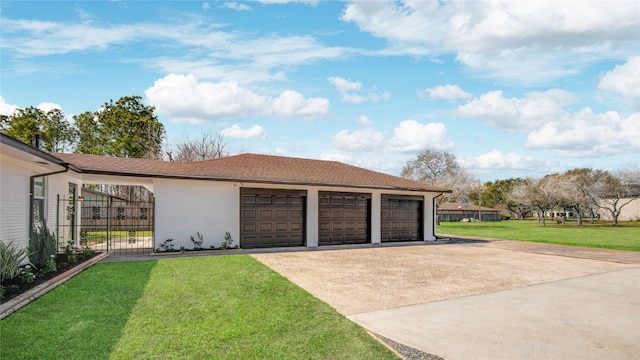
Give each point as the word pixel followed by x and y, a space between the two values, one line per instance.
pixel 511 88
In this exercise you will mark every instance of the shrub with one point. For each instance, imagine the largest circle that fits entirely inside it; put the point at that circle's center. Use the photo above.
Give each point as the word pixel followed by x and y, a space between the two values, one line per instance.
pixel 197 244
pixel 42 244
pixel 10 259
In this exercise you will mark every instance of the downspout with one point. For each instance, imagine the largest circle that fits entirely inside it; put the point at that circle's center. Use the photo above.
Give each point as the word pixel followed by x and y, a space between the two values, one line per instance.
pixel 66 169
pixel 435 215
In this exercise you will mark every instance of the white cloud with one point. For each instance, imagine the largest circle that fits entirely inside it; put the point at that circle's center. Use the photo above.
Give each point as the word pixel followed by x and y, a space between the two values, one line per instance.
pixel 527 42
pixel 363 140
pixel 340 157
pixel 46 107
pixel 293 105
pixel 308 2
pixel 412 136
pixel 7 109
pixel 364 120
pixel 497 160
pixel 236 6
pixel 206 6
pixel 348 90
pixel 587 134
pixel 518 114
pixel 236 132
pixel 185 99
pixel 445 92
pixel 623 79
pixel 245 56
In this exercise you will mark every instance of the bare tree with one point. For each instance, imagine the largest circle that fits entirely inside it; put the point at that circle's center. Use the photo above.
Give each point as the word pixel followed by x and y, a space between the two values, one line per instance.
pixel 440 169
pixel 576 188
pixel 208 146
pixel 539 194
pixel 614 192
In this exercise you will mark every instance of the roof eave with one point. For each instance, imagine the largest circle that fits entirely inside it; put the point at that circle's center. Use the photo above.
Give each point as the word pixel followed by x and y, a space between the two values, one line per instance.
pixel 255 181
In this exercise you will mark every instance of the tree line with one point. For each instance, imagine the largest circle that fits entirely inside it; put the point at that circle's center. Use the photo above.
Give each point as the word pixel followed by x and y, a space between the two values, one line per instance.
pixel 123 128
pixel 581 190
pixel 128 128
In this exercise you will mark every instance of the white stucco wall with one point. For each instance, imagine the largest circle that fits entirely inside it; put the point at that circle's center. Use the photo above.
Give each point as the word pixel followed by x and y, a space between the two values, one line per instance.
pixel 14 197
pixel 185 207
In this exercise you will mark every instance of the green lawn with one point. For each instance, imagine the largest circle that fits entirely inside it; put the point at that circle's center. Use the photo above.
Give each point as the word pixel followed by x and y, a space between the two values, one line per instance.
pixel 221 307
pixel 600 235
pixel 97 237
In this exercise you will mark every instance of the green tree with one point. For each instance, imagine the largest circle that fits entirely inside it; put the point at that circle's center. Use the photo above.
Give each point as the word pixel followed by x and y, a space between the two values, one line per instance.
pixel 56 133
pixel 89 134
pixel 128 128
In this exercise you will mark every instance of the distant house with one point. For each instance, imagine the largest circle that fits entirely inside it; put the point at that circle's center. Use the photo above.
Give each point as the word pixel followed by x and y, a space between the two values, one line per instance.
pixel 457 211
pixel 260 200
pixel 630 212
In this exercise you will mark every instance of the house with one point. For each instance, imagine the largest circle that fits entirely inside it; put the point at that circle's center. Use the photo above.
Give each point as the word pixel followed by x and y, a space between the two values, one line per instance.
pixel 459 211
pixel 31 184
pixel 260 200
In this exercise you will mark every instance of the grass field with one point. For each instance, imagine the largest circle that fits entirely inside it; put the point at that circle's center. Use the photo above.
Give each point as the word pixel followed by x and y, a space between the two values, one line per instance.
pixel 222 307
pixel 96 237
pixel 600 235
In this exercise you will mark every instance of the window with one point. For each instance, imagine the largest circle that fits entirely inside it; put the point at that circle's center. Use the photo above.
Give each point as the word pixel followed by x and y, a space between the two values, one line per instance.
pixel 37 202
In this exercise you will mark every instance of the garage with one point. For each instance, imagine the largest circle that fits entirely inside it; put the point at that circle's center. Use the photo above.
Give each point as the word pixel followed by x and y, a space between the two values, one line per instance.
pixel 401 218
pixel 272 218
pixel 343 218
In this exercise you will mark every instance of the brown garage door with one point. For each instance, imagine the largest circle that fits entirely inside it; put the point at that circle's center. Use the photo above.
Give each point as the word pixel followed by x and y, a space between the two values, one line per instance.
pixel 272 218
pixel 401 218
pixel 343 218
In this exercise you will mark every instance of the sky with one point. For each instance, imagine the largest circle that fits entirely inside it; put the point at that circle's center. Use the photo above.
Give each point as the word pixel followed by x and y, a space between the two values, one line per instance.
pixel 511 88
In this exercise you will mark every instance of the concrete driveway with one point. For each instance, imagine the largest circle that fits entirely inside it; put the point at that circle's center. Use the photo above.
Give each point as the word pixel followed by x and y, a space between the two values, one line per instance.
pixel 481 299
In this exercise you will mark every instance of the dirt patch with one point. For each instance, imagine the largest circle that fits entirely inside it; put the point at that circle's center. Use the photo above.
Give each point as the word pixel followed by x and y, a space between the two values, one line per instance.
pixel 362 280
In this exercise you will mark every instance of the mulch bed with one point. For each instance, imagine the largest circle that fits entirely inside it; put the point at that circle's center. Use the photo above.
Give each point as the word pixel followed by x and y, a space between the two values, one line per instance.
pixel 15 287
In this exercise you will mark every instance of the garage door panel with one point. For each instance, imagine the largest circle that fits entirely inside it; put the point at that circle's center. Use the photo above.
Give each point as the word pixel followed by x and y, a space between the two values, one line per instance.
pixel 271 217
pixel 343 218
pixel 401 218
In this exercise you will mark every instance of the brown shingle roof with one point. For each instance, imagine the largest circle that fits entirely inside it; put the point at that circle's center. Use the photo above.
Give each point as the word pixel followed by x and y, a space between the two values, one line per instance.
pixel 248 168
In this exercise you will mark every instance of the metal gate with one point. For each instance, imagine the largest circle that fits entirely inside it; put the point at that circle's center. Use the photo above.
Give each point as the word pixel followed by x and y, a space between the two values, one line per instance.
pixel 108 224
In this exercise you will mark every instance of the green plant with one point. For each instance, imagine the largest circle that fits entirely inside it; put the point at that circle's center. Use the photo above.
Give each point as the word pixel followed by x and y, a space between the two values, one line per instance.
pixel 182 249
pixel 70 251
pixel 10 259
pixel 197 244
pixel 26 275
pixel 42 244
pixel 86 253
pixel 51 265
pixel 167 245
pixel 228 240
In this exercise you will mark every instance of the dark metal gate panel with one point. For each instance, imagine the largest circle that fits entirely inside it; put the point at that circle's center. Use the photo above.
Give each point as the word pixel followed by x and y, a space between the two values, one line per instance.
pixel 272 218
pixel 343 218
pixel 401 218
pixel 106 224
